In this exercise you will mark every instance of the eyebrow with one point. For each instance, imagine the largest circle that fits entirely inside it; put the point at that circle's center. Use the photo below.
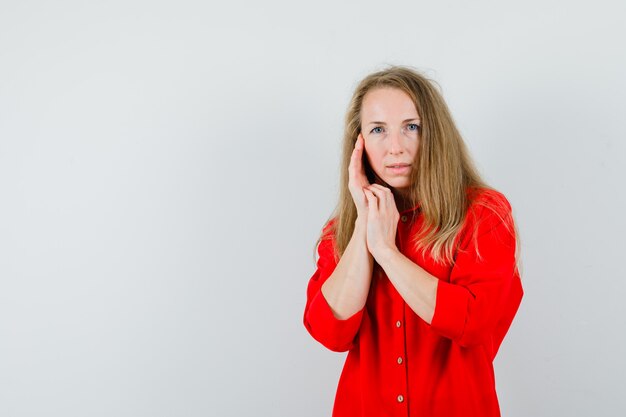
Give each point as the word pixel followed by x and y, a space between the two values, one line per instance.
pixel 404 121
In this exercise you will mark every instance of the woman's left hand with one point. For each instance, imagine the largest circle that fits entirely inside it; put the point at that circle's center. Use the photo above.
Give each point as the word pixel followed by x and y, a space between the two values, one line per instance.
pixel 382 219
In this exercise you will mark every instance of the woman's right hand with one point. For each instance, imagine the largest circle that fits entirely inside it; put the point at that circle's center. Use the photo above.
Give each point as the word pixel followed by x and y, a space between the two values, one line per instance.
pixel 357 180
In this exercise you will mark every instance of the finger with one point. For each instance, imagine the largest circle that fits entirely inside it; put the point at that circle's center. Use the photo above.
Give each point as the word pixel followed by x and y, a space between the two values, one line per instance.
pixel 384 195
pixel 355 158
pixel 379 197
pixel 358 145
pixel 357 152
pixel 360 142
pixel 352 169
pixel 372 202
pixel 382 188
pixel 387 196
pixel 357 170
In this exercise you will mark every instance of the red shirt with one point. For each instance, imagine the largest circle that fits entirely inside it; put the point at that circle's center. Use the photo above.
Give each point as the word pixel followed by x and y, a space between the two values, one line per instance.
pixel 398 365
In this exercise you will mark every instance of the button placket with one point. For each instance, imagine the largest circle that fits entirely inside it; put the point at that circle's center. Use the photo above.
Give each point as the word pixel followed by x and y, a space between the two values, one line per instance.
pixel 399 359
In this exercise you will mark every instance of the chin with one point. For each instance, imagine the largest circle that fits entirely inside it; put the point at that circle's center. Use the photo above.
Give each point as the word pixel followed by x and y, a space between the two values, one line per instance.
pixel 398 182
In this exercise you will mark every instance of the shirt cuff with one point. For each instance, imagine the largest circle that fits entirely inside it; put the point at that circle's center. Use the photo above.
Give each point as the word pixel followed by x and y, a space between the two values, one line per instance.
pixel 334 333
pixel 451 309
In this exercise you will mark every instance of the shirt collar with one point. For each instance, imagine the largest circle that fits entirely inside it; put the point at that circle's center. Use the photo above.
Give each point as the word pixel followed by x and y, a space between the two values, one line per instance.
pixel 415 207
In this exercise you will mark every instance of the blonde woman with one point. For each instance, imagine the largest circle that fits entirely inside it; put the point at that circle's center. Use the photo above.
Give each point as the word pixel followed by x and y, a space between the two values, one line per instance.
pixel 417 272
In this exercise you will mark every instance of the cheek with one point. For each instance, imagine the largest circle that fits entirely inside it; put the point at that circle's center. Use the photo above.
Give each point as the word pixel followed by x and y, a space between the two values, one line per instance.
pixel 373 156
pixel 415 148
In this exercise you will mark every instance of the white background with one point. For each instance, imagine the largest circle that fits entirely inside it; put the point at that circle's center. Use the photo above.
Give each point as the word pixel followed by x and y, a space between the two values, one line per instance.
pixel 166 167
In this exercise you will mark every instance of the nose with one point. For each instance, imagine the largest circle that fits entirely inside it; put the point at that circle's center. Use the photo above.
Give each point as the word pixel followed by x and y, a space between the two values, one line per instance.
pixel 395 142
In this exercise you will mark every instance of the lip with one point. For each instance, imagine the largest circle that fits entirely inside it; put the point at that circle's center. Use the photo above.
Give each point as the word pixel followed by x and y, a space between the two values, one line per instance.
pixel 399 169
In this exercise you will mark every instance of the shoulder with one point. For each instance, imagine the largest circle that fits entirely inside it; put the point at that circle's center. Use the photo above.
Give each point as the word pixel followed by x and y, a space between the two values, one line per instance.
pixel 488 198
pixel 326 243
pixel 488 209
pixel 329 229
pixel 487 202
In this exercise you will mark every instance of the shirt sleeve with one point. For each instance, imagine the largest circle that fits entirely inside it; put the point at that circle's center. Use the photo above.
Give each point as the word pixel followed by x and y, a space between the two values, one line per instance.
pixel 337 335
pixel 477 305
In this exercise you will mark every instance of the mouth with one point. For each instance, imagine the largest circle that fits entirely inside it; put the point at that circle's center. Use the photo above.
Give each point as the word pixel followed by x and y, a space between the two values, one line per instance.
pixel 399 169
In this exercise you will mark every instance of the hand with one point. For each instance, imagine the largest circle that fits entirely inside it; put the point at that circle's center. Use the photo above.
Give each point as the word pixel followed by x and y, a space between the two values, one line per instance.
pixel 357 180
pixel 382 219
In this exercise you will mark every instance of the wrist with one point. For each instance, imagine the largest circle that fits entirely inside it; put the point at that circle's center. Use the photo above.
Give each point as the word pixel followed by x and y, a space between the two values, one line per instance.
pixel 385 254
pixel 360 223
pixel 360 231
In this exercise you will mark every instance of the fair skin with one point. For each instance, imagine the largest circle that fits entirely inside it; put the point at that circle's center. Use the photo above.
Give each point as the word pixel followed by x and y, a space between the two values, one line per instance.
pixel 390 140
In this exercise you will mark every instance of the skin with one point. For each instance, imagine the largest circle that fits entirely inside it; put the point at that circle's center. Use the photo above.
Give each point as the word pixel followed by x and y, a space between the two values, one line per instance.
pixel 374 237
pixel 390 133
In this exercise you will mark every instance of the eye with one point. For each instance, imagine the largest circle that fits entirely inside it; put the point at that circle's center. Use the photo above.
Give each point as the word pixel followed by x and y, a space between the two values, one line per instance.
pixel 413 127
pixel 377 129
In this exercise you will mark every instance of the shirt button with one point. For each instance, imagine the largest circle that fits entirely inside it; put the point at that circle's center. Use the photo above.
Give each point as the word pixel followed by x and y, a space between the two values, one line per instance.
pixel 400 398
pixel 403 218
pixel 398 323
pixel 399 360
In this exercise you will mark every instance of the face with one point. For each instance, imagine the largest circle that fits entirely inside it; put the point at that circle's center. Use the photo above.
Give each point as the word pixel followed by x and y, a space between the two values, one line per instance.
pixel 391 130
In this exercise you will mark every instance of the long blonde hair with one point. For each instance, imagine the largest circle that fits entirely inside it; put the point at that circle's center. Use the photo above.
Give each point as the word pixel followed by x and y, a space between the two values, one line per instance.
pixel 442 173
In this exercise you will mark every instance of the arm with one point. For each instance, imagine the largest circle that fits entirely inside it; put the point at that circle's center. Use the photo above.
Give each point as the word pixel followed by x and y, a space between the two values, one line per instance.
pixel 347 288
pixel 337 292
pixel 416 286
pixel 479 302
pixel 477 305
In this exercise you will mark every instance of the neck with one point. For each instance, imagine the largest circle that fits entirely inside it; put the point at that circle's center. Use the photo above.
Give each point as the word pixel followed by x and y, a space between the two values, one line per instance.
pixel 402 199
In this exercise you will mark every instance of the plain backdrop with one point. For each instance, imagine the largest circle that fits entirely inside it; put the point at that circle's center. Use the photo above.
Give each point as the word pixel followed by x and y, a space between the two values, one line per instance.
pixel 166 167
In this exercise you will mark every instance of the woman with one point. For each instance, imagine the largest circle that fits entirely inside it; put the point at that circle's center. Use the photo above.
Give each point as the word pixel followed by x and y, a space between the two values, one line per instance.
pixel 417 273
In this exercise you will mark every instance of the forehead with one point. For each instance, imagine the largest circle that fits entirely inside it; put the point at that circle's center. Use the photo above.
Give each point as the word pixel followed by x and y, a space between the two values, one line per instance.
pixel 387 103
